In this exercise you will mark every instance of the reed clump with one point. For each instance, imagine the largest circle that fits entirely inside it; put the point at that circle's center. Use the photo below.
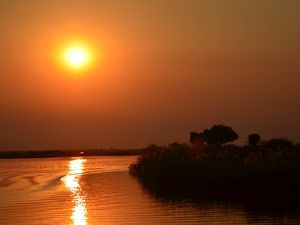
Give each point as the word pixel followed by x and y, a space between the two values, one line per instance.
pixel 268 167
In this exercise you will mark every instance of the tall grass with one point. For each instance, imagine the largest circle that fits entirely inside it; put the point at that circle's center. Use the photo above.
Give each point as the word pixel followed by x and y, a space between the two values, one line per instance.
pixel 227 169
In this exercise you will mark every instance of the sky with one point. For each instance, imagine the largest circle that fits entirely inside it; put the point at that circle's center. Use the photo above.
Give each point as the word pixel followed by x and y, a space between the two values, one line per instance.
pixel 161 70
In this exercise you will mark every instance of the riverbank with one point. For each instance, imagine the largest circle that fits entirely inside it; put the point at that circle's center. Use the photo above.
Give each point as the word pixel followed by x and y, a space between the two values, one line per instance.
pixel 68 153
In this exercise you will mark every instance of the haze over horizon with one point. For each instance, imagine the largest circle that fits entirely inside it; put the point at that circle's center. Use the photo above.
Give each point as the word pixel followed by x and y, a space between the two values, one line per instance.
pixel 161 70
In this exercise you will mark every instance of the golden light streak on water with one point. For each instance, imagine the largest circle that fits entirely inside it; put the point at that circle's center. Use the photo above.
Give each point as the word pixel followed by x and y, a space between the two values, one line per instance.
pixel 72 182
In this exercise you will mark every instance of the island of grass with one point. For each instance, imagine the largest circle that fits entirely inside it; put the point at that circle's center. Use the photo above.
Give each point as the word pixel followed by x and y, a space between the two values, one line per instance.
pixel 208 167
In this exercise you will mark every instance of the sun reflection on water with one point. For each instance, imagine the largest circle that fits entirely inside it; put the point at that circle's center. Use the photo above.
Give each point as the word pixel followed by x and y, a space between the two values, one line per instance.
pixel 72 182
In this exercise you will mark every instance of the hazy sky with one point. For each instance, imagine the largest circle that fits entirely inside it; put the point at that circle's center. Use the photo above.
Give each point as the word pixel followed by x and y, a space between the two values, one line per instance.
pixel 164 68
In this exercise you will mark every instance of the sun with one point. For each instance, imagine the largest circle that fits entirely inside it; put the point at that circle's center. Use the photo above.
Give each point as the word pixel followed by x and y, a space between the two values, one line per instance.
pixel 77 57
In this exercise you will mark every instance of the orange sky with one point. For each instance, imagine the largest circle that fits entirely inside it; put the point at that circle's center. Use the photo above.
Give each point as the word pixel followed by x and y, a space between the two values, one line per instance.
pixel 163 69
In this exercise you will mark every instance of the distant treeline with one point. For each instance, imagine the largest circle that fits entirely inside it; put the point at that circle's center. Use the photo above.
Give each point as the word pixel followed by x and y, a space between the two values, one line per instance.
pixel 211 167
pixel 68 153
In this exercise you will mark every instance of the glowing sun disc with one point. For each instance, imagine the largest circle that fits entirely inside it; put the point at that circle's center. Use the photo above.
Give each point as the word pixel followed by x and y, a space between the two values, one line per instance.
pixel 77 57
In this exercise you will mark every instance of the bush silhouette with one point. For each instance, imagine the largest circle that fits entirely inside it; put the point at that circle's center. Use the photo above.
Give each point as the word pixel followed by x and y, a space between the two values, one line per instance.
pixel 253 139
pixel 278 144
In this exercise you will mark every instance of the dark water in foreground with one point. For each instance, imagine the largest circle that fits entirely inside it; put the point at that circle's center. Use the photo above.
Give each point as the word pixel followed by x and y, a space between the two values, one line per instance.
pixel 99 190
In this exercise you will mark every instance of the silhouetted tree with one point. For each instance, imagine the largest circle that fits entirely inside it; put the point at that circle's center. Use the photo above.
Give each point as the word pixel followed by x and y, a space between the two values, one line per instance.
pixel 221 134
pixel 216 135
pixel 253 139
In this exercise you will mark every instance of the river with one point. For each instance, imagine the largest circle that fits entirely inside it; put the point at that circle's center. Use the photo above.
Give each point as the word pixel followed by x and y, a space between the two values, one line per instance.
pixel 99 190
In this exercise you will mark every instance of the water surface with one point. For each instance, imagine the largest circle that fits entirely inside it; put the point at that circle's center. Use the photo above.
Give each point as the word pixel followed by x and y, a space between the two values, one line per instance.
pixel 99 190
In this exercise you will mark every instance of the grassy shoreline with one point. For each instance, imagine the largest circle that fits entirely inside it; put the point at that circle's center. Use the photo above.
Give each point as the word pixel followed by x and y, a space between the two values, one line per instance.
pixel 230 171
